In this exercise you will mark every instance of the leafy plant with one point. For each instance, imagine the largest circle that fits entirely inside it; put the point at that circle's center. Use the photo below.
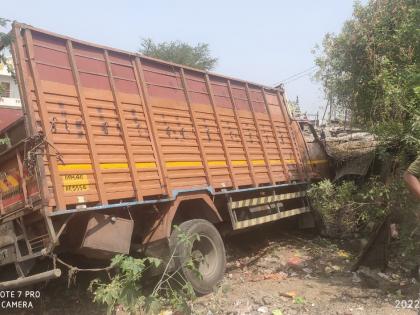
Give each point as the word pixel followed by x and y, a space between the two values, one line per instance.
pixel 180 52
pixel 5 140
pixel 371 69
pixel 299 300
pixel 346 209
pixel 4 42
pixel 126 290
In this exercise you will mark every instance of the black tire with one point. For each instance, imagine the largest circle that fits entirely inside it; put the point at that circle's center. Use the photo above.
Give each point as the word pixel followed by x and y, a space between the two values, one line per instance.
pixel 209 246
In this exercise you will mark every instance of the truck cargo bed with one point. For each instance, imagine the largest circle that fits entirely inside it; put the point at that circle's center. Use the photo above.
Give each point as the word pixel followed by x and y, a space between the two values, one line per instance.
pixel 122 126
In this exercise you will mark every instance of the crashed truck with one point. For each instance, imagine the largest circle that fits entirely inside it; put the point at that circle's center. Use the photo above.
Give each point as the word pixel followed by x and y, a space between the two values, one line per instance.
pixel 115 148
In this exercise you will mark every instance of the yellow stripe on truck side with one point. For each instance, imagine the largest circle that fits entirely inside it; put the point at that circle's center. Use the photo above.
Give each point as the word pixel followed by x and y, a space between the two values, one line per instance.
pixel 139 165
pixel 314 162
pixel 145 164
pixel 183 163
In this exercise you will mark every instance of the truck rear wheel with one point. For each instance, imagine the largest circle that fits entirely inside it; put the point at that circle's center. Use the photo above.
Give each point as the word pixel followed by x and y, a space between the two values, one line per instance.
pixel 207 253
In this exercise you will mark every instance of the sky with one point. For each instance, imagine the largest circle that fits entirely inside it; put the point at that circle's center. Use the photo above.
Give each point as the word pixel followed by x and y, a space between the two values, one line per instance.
pixel 263 41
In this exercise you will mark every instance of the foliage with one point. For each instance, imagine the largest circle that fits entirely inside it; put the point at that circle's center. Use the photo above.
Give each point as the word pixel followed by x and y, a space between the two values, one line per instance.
pixel 371 68
pixel 5 40
pixel 299 300
pixel 126 289
pixel 5 140
pixel 180 52
pixel 346 209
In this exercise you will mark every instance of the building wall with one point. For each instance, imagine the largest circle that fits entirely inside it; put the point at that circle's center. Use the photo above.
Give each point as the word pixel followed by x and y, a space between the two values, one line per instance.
pixel 14 99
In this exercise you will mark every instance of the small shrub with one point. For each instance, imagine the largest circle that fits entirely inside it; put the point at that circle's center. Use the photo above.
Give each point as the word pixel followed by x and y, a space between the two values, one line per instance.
pixel 346 209
pixel 172 290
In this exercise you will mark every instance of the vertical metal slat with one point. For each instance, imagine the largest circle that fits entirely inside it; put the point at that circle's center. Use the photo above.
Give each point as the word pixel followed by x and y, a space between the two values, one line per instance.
pixel 148 125
pixel 155 135
pixel 196 129
pixel 286 117
pixel 222 136
pixel 88 126
pixel 241 133
pixel 273 127
pixel 124 131
pixel 55 178
pixel 257 126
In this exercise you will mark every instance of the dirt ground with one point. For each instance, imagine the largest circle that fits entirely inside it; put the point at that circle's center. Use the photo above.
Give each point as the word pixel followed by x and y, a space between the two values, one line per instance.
pixel 274 271
pixel 294 273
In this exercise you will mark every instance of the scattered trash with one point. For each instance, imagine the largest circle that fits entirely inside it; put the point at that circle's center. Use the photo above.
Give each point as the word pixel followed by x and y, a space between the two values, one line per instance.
pixel 290 294
pixel 262 309
pixel 342 253
pixel 328 269
pixel 307 270
pixel 295 261
pixel 279 276
pixel 356 278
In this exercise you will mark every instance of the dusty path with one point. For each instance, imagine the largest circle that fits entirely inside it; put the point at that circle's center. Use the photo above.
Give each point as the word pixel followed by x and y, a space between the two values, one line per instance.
pixel 270 272
pixel 283 273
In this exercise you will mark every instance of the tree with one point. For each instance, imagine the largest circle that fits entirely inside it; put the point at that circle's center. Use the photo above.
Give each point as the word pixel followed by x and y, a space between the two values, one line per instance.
pixel 4 38
pixel 4 43
pixel 180 52
pixel 371 68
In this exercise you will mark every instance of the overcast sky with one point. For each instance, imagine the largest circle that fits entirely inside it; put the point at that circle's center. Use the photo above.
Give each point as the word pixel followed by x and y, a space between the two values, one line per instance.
pixel 262 41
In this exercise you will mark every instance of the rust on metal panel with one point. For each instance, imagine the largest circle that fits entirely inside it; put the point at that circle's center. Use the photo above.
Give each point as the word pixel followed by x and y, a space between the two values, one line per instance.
pixel 286 116
pixel 241 134
pixel 88 126
pixel 149 113
pixel 220 129
pixel 273 127
pixel 257 125
pixel 124 131
pixel 57 186
pixel 196 129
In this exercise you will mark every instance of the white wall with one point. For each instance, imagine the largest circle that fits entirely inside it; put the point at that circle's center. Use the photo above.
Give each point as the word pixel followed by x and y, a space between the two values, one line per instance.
pixel 14 99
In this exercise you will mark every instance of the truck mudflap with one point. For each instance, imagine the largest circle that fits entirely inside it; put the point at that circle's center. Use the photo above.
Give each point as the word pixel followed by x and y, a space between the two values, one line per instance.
pixel 26 281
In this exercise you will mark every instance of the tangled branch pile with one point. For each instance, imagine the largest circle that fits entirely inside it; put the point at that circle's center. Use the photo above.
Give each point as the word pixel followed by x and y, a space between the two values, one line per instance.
pixel 346 209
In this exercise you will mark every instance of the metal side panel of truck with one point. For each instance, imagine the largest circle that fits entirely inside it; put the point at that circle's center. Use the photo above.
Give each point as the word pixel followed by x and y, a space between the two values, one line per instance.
pixel 114 148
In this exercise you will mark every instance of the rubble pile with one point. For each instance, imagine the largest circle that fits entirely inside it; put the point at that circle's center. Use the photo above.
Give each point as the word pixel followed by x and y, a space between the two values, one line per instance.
pixel 344 146
pixel 351 150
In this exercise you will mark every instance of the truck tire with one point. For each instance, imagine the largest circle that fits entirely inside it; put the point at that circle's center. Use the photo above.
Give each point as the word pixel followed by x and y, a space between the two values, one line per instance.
pixel 208 252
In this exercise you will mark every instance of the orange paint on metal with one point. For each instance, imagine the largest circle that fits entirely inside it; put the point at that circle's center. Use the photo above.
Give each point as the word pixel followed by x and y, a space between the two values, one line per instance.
pixel 134 127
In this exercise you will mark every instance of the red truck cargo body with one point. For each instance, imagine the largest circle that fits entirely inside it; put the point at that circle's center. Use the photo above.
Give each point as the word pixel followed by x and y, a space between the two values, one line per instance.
pixel 114 148
pixel 126 126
